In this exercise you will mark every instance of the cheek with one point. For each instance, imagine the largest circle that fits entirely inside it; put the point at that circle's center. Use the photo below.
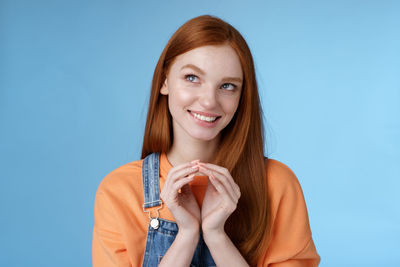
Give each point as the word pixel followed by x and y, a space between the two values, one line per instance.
pixel 179 98
pixel 231 105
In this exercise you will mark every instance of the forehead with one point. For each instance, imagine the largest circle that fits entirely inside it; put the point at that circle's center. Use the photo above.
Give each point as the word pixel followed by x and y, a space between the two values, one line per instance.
pixel 212 59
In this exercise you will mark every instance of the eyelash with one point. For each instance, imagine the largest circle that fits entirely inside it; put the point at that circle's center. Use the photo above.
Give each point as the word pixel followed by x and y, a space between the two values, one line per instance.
pixel 192 75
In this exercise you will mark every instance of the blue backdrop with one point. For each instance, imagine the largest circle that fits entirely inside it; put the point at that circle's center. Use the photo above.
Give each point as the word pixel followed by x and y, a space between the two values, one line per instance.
pixel 74 85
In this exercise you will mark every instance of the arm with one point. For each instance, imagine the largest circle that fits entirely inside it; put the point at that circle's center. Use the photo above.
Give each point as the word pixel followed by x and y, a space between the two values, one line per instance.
pixel 108 248
pixel 220 200
pixel 185 210
pixel 307 257
pixel 291 244
pixel 180 253
pixel 223 251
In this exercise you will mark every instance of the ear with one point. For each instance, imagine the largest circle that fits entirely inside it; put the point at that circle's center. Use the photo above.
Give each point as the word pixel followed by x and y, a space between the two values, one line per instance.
pixel 164 88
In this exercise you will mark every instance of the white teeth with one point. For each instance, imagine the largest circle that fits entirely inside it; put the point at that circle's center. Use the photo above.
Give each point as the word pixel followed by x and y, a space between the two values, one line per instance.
pixel 204 118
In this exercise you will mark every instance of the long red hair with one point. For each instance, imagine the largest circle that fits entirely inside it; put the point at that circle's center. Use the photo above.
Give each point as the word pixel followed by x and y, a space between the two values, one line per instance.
pixel 242 139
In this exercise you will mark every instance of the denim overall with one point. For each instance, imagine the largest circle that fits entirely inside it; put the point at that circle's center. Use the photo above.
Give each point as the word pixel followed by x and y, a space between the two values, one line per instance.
pixel 161 233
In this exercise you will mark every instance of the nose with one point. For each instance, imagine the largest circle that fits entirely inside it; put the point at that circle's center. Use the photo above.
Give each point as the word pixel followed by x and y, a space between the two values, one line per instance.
pixel 208 98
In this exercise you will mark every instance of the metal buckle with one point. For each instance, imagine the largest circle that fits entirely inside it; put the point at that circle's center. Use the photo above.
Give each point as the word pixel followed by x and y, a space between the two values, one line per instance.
pixel 154 223
pixel 149 211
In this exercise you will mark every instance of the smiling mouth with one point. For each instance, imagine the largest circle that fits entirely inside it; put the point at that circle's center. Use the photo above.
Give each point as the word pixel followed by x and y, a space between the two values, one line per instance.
pixel 209 119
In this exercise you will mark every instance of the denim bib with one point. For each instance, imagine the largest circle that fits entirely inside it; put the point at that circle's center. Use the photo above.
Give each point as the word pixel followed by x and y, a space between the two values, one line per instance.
pixel 161 233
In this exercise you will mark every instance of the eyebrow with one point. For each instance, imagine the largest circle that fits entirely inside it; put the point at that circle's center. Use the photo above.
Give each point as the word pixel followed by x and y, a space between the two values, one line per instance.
pixel 237 79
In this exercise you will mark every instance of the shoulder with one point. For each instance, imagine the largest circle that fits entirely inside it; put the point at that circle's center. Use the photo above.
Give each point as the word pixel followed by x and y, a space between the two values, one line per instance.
pixel 281 179
pixel 127 176
pixel 118 199
pixel 291 240
pixel 286 199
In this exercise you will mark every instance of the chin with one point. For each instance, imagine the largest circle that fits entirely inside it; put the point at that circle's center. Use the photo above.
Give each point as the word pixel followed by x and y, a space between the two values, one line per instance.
pixel 203 136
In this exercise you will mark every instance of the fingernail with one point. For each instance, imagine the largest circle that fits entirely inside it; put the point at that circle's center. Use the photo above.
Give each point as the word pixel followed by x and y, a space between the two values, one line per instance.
pixel 195 161
pixel 195 167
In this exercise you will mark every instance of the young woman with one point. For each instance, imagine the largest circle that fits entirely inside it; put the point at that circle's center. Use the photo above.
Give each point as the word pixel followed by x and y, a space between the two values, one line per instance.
pixel 203 193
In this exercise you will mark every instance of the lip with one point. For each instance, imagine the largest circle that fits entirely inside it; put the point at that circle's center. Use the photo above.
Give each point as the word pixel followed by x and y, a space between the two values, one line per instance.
pixel 205 113
pixel 204 123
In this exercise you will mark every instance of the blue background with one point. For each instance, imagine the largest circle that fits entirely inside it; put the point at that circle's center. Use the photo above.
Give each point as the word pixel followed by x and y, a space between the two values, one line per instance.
pixel 75 79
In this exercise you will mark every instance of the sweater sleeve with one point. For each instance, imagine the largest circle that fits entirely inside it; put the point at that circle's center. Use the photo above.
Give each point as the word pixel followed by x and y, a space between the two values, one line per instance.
pixel 291 242
pixel 108 248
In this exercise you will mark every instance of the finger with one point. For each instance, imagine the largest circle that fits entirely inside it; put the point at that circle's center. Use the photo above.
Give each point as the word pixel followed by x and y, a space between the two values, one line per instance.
pixel 174 187
pixel 182 171
pixel 176 173
pixel 223 171
pixel 173 170
pixel 227 186
pixel 229 204
pixel 223 181
pixel 182 166
pixel 234 193
pixel 183 181
pixel 211 173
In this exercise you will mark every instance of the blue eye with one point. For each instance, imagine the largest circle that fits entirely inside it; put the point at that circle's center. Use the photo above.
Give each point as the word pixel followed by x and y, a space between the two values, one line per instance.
pixel 228 86
pixel 190 77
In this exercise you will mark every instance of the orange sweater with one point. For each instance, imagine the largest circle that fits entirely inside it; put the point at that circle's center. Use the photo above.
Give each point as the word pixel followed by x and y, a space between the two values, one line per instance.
pixel 120 227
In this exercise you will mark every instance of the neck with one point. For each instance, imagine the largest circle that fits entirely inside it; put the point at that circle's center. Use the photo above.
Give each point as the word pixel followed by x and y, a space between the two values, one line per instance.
pixel 187 150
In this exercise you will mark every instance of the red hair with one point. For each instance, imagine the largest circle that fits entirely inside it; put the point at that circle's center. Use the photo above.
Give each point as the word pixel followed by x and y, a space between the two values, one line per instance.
pixel 242 139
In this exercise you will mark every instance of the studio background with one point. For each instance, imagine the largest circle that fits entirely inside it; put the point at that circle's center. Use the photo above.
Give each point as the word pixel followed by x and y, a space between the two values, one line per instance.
pixel 74 85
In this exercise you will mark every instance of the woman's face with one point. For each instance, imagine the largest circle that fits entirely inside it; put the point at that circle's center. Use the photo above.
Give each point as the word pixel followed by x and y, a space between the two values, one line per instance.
pixel 203 87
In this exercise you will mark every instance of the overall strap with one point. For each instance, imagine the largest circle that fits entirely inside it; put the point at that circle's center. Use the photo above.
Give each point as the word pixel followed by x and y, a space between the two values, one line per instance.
pixel 151 186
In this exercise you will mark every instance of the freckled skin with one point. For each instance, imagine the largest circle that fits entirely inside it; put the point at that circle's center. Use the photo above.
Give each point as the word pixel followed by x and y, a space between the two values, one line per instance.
pixel 208 92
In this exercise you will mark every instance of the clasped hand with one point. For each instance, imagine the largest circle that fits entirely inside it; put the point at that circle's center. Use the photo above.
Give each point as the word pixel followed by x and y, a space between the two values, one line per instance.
pixel 220 200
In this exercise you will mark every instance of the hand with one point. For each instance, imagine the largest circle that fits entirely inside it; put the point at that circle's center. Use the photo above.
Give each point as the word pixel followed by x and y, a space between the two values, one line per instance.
pixel 183 205
pixel 220 200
